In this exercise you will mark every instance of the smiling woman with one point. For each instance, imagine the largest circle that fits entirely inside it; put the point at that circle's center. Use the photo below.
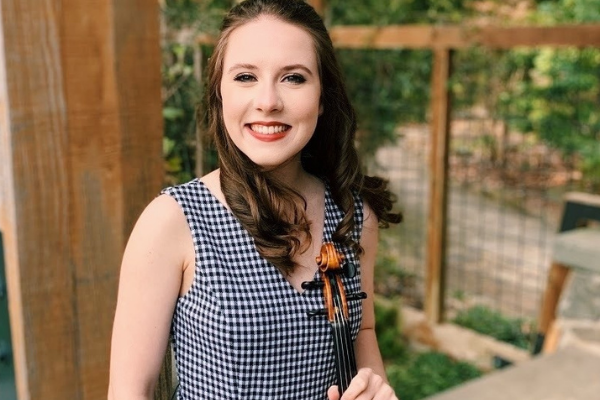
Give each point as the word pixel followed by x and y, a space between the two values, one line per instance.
pixel 270 104
pixel 220 262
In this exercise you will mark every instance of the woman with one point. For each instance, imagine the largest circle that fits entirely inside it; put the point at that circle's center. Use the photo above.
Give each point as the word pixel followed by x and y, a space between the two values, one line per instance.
pixel 219 262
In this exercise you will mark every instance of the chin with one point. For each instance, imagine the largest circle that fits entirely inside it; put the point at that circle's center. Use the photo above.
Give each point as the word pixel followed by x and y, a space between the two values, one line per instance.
pixel 270 165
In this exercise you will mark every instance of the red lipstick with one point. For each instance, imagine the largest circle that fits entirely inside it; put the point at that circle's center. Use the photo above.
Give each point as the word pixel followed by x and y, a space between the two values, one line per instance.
pixel 268 137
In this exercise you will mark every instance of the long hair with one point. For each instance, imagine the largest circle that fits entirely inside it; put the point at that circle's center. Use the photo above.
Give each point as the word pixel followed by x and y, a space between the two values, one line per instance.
pixel 270 211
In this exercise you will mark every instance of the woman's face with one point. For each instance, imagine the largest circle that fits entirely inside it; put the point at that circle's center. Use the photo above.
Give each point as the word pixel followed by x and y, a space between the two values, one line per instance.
pixel 271 90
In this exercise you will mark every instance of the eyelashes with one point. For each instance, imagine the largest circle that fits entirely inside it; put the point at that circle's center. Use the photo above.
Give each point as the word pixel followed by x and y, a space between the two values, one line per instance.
pixel 295 78
pixel 244 78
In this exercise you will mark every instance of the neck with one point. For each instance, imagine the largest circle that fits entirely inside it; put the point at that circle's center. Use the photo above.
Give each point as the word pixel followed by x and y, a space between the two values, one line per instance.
pixel 291 174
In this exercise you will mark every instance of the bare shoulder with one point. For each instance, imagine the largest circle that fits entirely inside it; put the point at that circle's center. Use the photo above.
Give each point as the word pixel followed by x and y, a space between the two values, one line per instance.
pixel 162 213
pixel 161 230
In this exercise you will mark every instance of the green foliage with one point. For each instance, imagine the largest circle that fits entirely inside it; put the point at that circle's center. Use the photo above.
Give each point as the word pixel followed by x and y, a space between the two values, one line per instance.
pixel 559 92
pixel 196 15
pixel 561 11
pixel 391 279
pixel 388 12
pixel 415 375
pixel 182 78
pixel 391 342
pixel 489 322
pixel 561 98
pixel 552 93
pixel 428 373
pixel 181 95
pixel 386 88
pixel 590 164
pixel 389 87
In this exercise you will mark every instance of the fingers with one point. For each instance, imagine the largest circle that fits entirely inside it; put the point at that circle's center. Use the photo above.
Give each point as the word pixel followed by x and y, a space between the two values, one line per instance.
pixel 367 385
pixel 333 393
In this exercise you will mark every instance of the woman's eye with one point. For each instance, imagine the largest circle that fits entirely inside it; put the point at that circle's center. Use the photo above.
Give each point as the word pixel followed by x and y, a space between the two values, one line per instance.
pixel 294 78
pixel 244 78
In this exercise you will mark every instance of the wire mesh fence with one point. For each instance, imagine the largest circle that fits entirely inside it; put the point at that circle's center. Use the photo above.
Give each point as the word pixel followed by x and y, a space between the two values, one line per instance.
pixel 506 181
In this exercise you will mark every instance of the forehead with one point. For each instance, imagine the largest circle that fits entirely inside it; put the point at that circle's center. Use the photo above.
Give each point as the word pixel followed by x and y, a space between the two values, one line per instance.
pixel 270 39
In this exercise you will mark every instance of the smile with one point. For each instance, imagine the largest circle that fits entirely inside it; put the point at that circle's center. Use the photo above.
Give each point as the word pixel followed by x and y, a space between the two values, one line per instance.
pixel 269 130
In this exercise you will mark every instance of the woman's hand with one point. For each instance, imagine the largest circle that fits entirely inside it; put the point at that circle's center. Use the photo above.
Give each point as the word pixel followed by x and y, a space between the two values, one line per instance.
pixel 366 385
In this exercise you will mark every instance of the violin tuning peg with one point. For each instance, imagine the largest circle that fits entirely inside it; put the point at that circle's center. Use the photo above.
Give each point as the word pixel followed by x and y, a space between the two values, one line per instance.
pixel 350 270
pixel 309 285
pixel 316 313
pixel 356 296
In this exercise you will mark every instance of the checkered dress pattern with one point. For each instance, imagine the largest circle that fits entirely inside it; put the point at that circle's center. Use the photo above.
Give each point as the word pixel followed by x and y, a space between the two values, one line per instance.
pixel 241 331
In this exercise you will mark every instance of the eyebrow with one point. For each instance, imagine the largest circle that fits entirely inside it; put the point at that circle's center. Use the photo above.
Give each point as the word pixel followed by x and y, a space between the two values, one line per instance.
pixel 285 68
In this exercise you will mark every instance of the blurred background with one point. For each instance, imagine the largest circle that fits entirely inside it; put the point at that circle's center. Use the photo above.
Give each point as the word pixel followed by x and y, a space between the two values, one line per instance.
pixel 482 115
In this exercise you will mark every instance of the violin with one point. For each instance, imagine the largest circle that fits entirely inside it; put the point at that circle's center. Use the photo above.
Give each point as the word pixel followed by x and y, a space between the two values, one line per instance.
pixel 331 269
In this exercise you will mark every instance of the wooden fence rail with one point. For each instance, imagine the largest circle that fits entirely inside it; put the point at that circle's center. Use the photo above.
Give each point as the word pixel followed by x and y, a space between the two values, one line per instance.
pixel 459 37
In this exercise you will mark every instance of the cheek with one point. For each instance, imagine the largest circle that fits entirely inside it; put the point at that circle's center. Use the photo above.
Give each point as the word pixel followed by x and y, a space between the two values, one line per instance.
pixel 312 111
pixel 230 108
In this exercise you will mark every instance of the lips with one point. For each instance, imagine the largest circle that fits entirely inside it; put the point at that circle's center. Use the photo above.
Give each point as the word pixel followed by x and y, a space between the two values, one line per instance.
pixel 269 129
pixel 268 132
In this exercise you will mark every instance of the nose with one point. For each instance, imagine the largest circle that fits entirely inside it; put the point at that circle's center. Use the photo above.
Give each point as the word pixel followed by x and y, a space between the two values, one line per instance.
pixel 268 98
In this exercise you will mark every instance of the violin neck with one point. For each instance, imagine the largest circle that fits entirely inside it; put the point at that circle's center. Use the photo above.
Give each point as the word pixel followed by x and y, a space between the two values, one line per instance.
pixel 345 359
pixel 337 311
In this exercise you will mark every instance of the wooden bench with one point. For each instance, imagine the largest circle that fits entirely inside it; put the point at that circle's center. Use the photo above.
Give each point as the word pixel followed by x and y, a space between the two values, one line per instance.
pixel 576 247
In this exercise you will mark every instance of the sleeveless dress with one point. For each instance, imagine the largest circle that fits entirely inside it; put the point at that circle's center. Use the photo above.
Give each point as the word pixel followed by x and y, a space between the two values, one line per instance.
pixel 242 330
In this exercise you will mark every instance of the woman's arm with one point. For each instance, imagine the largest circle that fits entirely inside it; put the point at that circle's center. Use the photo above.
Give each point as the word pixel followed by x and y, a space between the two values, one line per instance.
pixel 156 255
pixel 370 381
pixel 367 350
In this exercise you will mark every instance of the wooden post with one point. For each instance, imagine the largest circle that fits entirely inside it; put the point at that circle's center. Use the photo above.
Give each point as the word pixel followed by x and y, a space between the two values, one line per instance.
pixel 438 185
pixel 80 156
pixel 557 277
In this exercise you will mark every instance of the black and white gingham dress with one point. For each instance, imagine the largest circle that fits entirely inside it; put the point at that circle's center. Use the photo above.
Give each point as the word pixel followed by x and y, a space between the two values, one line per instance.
pixel 241 332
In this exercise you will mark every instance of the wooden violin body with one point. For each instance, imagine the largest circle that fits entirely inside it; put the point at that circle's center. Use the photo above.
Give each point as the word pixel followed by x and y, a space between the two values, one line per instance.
pixel 336 310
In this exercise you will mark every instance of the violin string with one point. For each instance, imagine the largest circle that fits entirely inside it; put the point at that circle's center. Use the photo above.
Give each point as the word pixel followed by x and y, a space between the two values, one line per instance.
pixel 340 359
pixel 344 354
pixel 344 349
pixel 348 350
pixel 342 376
pixel 342 335
pixel 338 344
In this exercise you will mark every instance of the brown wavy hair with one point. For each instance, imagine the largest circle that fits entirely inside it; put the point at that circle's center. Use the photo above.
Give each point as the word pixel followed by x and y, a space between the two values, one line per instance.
pixel 270 211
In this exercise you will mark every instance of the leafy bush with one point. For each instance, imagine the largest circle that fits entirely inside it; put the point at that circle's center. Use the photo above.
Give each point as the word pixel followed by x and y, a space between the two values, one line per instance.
pixel 492 323
pixel 391 342
pixel 428 373
pixel 558 90
pixel 389 87
pixel 182 75
pixel 415 375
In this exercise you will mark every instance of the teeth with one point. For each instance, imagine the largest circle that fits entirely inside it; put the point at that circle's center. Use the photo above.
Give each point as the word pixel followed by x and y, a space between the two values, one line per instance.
pixel 268 130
